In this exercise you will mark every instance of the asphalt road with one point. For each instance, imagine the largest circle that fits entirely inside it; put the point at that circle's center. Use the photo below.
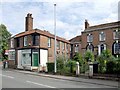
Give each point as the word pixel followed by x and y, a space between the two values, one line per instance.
pixel 12 79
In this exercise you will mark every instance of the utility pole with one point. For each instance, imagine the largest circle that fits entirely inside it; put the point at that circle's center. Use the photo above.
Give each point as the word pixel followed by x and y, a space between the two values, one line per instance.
pixel 55 68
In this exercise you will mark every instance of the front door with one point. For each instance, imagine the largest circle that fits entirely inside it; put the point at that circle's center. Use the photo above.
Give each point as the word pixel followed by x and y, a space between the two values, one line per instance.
pixel 35 59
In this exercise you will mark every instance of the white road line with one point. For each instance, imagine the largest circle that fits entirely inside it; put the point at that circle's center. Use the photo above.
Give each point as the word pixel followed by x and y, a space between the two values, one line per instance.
pixel 40 84
pixel 6 76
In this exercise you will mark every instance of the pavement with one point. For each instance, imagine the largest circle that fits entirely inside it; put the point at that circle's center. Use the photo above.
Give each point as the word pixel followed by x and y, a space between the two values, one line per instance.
pixel 70 78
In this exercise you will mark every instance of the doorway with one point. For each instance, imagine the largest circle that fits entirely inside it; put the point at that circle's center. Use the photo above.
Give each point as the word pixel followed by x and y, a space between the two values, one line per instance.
pixel 35 59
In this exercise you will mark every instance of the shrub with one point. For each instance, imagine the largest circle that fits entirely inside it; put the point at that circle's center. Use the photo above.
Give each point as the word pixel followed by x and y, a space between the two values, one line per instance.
pixel 60 64
pixel 50 67
pixel 110 67
pixel 89 56
pixel 71 65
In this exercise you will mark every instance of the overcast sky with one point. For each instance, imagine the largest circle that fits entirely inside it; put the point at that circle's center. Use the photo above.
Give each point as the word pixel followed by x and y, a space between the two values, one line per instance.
pixel 70 16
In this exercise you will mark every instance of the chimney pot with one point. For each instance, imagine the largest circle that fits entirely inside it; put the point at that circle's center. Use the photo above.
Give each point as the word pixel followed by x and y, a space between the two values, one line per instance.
pixel 86 24
pixel 29 22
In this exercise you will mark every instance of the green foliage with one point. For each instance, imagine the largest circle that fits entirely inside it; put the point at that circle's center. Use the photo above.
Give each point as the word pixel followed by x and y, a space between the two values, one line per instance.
pixel 60 64
pixel 102 64
pixel 4 36
pixel 106 55
pixel 65 67
pixel 110 66
pixel 71 65
pixel 89 56
pixel 50 67
pixel 108 63
pixel 78 57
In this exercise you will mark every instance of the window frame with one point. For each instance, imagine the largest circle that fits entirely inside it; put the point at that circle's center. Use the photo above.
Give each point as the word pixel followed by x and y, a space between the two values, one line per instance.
pixel 114 34
pixel 101 37
pixel 49 42
pixel 11 55
pixel 118 48
pixel 63 46
pixel 89 37
pixel 35 41
pixel 12 42
pixel 25 41
pixel 58 44
pixel 17 42
pixel 90 49
pixel 76 48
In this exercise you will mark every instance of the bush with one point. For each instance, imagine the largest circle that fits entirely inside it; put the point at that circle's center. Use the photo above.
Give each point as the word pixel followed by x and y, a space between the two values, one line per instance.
pixel 50 67
pixel 71 65
pixel 60 64
pixel 89 56
pixel 110 67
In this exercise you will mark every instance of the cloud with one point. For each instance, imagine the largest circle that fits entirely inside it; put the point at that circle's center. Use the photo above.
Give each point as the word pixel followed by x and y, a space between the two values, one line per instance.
pixel 70 15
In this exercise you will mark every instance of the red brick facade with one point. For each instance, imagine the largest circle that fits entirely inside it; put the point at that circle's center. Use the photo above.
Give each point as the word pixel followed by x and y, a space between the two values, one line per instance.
pixel 37 39
pixel 108 29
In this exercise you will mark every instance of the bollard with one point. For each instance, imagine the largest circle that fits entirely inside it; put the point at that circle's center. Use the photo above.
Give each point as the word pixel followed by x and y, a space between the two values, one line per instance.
pixel 77 69
pixel 90 69
pixel 6 64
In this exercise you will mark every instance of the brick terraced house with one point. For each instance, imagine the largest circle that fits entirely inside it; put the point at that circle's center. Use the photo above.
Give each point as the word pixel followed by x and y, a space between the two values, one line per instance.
pixel 101 37
pixel 35 47
pixel 75 45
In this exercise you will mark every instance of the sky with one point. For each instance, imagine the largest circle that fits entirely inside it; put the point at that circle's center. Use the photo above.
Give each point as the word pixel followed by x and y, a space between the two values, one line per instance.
pixel 70 15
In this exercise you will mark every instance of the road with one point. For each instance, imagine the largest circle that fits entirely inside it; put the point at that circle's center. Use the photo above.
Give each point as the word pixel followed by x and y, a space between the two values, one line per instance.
pixel 12 79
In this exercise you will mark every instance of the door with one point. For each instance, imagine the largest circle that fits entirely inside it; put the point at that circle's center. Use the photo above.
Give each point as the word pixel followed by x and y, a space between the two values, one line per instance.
pixel 35 59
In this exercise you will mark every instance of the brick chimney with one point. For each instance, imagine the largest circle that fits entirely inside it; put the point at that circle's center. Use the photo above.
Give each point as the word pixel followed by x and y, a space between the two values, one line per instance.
pixel 86 24
pixel 29 22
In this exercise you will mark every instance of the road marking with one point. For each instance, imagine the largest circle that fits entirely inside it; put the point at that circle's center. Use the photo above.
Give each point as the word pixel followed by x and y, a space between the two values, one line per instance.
pixel 40 84
pixel 6 76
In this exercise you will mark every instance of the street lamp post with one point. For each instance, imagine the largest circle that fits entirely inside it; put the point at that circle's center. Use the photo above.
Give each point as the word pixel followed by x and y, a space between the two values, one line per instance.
pixel 55 69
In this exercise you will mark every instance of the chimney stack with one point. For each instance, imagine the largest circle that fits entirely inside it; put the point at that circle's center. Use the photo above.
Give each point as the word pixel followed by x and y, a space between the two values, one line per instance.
pixel 86 24
pixel 29 22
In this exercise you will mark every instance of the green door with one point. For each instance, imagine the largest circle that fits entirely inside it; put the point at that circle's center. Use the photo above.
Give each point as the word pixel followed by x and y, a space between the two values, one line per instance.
pixel 35 58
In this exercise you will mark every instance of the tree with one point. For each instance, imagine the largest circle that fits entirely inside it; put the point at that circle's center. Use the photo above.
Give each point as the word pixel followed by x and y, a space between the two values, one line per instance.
pixel 78 57
pixel 4 36
pixel 105 57
pixel 89 56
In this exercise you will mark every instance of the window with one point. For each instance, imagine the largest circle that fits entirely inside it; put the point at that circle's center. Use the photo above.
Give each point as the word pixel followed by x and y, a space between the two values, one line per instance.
pixel 58 44
pixel 89 38
pixel 67 47
pixel 90 47
pixel 35 40
pixel 76 48
pixel 63 45
pixel 11 55
pixel 49 42
pixel 25 40
pixel 12 42
pixel 116 48
pixel 18 42
pixel 116 34
pixel 101 48
pixel 102 36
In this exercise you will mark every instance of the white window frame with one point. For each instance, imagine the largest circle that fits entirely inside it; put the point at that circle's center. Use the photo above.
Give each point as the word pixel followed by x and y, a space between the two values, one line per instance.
pixel 114 47
pixel 76 48
pixel 49 42
pixel 58 44
pixel 63 46
pixel 11 55
pixel 89 38
pixel 101 37
pixel 114 34
pixel 99 48
pixel 12 42
pixel 25 40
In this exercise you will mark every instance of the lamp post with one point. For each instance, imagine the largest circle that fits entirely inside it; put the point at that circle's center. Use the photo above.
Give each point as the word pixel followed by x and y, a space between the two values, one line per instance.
pixel 55 69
